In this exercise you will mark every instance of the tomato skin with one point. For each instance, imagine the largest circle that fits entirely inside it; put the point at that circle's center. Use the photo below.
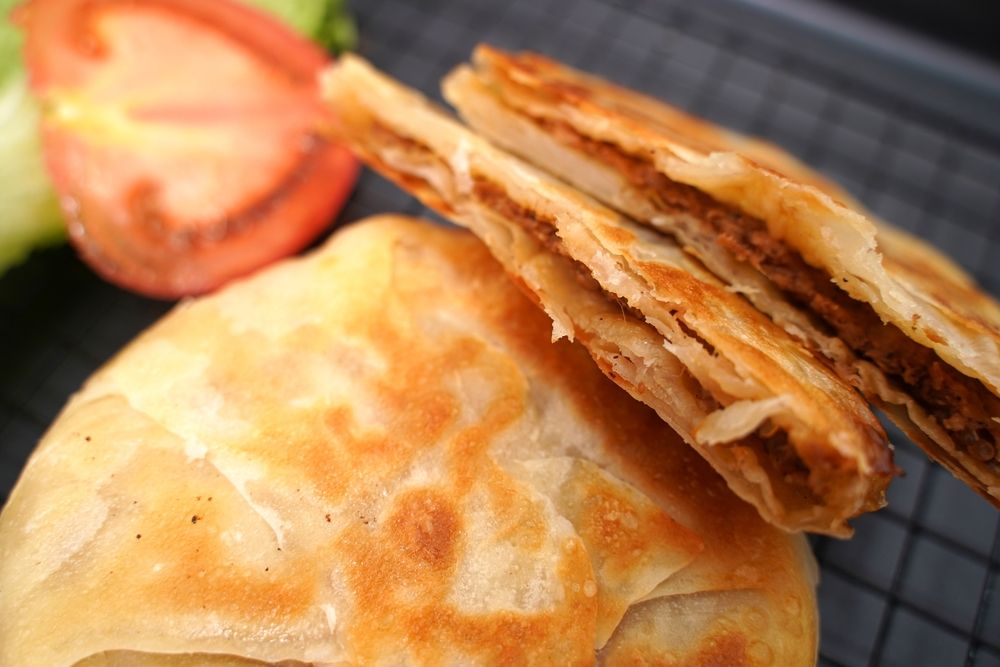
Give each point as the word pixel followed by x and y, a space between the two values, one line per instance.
pixel 142 260
pixel 64 34
pixel 183 137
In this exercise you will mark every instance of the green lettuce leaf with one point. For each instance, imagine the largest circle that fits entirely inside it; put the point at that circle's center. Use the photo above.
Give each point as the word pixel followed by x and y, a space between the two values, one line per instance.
pixel 328 22
pixel 29 212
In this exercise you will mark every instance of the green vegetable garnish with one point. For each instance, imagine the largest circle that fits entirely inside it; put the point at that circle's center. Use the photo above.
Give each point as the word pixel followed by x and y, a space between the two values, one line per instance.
pixel 328 22
pixel 29 213
pixel 10 43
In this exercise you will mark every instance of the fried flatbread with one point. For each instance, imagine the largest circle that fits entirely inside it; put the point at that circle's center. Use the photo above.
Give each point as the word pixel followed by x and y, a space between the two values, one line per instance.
pixel 893 316
pixel 785 432
pixel 375 455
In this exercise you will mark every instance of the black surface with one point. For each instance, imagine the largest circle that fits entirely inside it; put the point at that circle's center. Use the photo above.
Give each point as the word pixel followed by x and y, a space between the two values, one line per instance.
pixel 918 584
pixel 967 24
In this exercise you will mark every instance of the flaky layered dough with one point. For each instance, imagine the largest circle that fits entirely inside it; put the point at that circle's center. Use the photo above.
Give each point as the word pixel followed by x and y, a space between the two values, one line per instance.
pixel 783 430
pixel 625 148
pixel 375 455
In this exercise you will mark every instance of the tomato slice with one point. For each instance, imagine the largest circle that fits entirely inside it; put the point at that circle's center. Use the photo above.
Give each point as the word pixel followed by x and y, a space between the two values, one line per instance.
pixel 184 137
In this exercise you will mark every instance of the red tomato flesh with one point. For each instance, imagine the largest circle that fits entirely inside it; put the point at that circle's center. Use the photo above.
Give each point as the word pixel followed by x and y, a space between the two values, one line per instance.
pixel 183 136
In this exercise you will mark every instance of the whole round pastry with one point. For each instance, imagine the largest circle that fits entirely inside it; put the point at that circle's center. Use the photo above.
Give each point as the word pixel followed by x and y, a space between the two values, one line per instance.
pixel 376 455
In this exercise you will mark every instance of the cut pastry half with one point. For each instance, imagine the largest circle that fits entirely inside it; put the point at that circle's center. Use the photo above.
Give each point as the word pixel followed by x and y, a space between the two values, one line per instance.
pixel 783 430
pixel 890 314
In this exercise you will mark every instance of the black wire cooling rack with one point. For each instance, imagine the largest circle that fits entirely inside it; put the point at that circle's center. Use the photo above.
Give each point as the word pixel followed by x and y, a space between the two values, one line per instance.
pixel 918 584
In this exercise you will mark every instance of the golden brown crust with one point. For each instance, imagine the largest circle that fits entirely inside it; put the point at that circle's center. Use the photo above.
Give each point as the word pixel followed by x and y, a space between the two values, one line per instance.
pixel 371 454
pixel 655 126
pixel 932 304
pixel 747 373
pixel 672 137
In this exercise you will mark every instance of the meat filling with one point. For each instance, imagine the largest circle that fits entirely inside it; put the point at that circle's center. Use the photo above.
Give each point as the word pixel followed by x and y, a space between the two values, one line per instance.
pixel 962 405
pixel 495 198
pixel 774 444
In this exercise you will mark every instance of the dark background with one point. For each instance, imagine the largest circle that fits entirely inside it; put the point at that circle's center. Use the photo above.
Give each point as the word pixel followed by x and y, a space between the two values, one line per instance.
pixel 909 123
pixel 973 25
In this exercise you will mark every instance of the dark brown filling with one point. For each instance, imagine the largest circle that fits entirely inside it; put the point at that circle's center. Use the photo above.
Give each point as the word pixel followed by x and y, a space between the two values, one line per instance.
pixel 781 452
pixel 962 405
pixel 496 199
pixel 774 445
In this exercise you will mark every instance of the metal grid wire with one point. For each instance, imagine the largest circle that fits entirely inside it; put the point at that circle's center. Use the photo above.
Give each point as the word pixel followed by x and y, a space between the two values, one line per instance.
pixel 918 584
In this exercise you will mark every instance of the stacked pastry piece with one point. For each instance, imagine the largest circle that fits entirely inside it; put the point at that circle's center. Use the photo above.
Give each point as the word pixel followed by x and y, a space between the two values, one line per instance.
pixel 783 430
pixel 891 315
pixel 711 213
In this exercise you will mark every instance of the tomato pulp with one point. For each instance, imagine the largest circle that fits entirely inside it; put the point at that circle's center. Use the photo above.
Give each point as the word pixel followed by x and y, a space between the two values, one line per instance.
pixel 185 138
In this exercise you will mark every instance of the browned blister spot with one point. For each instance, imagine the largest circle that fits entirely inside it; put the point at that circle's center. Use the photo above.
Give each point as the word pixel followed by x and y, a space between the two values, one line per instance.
pixel 617 234
pixel 627 536
pixel 610 522
pixel 425 526
pixel 934 336
pixel 411 389
pixel 526 527
pixel 728 650
pixel 207 581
